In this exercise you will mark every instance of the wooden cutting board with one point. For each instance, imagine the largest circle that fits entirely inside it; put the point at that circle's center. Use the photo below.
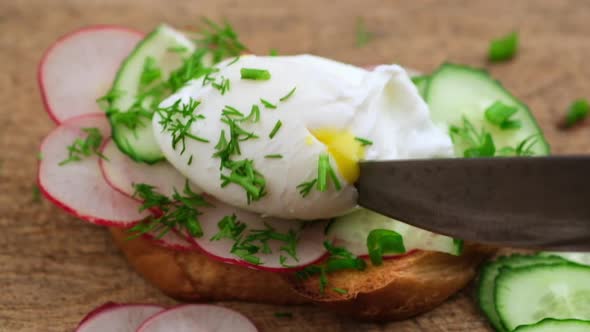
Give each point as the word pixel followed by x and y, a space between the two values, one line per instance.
pixel 54 269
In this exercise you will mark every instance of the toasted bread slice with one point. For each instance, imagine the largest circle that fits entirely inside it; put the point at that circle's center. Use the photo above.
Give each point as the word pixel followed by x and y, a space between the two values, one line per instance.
pixel 398 289
pixel 193 276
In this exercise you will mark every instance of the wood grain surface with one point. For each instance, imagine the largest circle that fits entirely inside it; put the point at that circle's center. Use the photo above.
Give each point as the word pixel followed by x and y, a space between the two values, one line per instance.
pixel 53 268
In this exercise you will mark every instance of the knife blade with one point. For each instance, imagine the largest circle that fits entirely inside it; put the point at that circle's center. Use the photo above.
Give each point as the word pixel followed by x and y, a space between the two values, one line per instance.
pixel 527 202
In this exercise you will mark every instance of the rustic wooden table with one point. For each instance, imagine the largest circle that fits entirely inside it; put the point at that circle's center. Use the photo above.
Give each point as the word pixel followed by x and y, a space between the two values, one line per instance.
pixel 53 268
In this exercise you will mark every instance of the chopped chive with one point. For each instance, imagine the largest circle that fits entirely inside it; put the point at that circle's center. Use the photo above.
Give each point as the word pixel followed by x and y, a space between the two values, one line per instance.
pixel 274 156
pixel 499 114
pixel 577 112
pixel 36 194
pixel 288 94
pixel 305 187
pixel 236 59
pixel 362 35
pixel 177 49
pixel 190 160
pixel 283 315
pixel 334 177
pixel 273 52
pixel 340 290
pixel 276 128
pixel 231 112
pixel 255 74
pixel 254 115
pixel 383 241
pixel 503 48
pixel 363 141
pixel 268 104
pixel 323 165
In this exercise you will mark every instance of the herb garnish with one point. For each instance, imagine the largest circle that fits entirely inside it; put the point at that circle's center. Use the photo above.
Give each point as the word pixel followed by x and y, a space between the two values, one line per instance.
pixel 499 114
pixel 382 241
pixel 325 172
pixel 268 104
pixel 363 141
pixel 275 129
pixel 36 194
pixel 339 259
pixel 254 74
pixel 577 112
pixel 250 242
pixel 305 187
pixel 180 212
pixel 363 36
pixel 150 72
pixel 220 40
pixel 479 144
pixel 283 315
pixel 223 86
pixel 503 48
pixel 171 121
pixel 273 156
pixel 229 228
pixel 523 149
pixel 254 115
pixel 81 148
pixel 340 290
pixel 288 95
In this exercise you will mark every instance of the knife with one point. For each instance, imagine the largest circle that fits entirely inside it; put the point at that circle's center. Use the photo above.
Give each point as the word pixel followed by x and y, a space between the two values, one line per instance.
pixel 526 202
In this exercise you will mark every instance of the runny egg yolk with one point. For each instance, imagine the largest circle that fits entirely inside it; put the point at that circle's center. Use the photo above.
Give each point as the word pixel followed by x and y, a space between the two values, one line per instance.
pixel 344 149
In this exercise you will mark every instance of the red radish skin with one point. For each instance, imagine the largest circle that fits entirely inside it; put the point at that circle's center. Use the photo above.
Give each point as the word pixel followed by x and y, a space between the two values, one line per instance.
pixel 115 317
pixel 80 67
pixel 78 187
pixel 197 318
pixel 172 240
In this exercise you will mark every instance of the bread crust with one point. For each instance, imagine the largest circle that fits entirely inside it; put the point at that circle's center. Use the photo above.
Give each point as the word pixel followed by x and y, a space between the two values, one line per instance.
pixel 398 289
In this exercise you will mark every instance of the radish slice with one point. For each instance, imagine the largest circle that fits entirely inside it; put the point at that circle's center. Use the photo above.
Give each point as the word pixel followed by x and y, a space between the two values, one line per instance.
pixel 97 310
pixel 121 172
pixel 79 187
pixel 172 240
pixel 80 67
pixel 118 317
pixel 310 245
pixel 196 318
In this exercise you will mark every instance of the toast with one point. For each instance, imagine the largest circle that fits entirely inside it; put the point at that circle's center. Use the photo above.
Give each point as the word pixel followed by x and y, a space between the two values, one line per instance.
pixel 400 288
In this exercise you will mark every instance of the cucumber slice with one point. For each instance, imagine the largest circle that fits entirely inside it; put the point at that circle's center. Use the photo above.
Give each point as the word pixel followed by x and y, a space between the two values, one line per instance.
pixel 351 231
pixel 525 295
pixel 486 286
pixel 576 257
pixel 157 47
pixel 553 325
pixel 454 92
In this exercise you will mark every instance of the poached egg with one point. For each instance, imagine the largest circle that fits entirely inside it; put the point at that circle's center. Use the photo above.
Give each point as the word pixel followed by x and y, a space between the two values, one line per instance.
pixel 309 107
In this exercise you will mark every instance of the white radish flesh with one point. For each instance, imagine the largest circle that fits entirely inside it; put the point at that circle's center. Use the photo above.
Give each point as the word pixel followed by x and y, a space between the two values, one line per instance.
pixel 196 318
pixel 118 317
pixel 81 67
pixel 78 187
pixel 121 172
pixel 309 250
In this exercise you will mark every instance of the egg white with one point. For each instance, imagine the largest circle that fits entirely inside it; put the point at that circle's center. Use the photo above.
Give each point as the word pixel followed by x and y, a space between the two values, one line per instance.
pixel 382 106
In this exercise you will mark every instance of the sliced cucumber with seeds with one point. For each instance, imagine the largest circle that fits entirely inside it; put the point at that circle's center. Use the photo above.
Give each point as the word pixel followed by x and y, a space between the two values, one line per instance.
pixel 556 325
pixel 455 92
pixel 351 231
pixel 164 50
pixel 526 295
pixel 486 286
